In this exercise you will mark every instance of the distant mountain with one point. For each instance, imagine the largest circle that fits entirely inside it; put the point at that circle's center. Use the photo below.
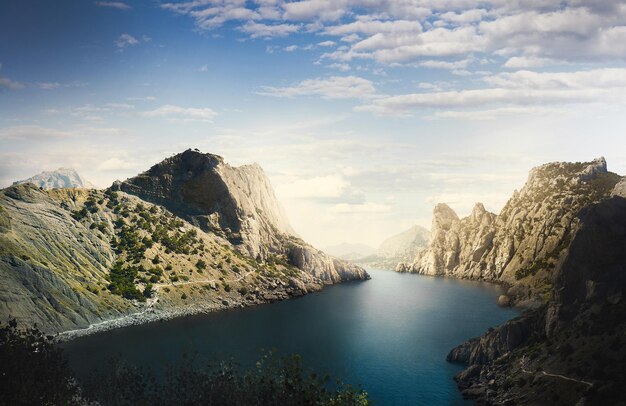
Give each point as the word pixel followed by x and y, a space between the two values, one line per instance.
pixel 61 178
pixel 396 249
pixel 404 245
pixel 350 251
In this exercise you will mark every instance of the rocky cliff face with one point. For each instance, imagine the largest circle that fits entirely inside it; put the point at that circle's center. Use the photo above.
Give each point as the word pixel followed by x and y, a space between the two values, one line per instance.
pixel 59 179
pixel 522 245
pixel 237 203
pixel 572 350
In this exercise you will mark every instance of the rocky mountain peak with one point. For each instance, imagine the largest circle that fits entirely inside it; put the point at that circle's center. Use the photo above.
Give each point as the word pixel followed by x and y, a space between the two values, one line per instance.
pixel 236 203
pixel 60 178
pixel 443 216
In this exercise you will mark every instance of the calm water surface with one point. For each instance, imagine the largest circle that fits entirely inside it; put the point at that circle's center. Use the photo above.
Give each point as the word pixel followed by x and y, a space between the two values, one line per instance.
pixel 390 334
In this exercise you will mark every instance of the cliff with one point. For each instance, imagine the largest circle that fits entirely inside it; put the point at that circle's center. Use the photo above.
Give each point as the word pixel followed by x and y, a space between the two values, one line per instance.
pixel 194 235
pixel 571 350
pixel 237 203
pixel 521 246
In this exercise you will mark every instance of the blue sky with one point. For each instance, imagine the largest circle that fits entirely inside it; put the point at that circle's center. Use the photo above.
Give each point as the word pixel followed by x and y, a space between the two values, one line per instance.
pixel 363 113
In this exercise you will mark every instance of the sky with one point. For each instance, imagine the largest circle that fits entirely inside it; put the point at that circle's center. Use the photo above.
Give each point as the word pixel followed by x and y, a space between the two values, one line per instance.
pixel 364 114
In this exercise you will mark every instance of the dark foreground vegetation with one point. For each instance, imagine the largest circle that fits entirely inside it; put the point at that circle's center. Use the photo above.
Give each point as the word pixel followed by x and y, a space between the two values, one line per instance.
pixel 34 371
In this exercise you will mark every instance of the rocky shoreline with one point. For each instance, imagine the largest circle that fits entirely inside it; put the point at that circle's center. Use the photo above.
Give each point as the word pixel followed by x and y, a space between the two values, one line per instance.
pixel 151 314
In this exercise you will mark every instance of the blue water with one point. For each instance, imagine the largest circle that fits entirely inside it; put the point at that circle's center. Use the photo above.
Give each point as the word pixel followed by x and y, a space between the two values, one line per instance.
pixel 390 334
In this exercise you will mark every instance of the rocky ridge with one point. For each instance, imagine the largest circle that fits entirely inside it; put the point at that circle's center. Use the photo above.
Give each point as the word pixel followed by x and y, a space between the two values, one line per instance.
pixel 519 247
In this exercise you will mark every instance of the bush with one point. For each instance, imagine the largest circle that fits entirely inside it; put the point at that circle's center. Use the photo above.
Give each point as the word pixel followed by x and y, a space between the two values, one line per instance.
pixel 32 370
pixel 148 291
pixel 201 265
pixel 123 282
pixel 273 380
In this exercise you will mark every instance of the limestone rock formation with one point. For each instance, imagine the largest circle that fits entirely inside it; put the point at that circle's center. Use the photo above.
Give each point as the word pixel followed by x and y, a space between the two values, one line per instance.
pixel 520 246
pixel 571 350
pixel 58 179
pixel 237 203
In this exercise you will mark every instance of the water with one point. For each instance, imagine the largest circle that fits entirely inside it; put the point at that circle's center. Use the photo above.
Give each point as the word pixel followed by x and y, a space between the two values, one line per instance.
pixel 390 334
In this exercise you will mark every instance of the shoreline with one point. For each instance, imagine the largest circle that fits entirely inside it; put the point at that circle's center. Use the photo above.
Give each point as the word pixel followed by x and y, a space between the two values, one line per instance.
pixel 150 314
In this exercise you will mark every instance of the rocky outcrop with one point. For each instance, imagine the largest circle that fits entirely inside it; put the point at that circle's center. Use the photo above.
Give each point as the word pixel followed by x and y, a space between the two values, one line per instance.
pixel 500 340
pixel 237 203
pixel 620 188
pixel 572 350
pixel 58 179
pixel 522 245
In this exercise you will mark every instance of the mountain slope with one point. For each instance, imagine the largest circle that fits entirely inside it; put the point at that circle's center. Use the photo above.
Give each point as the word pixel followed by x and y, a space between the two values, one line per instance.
pixel 521 245
pixel 236 203
pixel 58 179
pixel 78 258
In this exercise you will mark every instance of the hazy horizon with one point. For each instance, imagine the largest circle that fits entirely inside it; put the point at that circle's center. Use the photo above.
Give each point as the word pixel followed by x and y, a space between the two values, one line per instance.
pixel 363 114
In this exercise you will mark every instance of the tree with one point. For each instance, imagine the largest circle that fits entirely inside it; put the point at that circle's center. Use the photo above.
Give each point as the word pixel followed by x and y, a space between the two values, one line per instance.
pixel 33 371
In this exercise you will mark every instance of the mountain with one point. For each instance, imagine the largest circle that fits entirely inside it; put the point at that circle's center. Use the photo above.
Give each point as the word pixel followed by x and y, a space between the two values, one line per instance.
pixel 521 246
pixel 192 234
pixel 570 351
pixel 405 244
pixel 59 179
pixel 397 248
pixel 237 204
pixel 350 251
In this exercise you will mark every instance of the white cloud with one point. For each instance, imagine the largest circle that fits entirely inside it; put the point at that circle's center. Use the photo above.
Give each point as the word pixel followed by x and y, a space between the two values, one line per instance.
pixel 327 44
pixel 114 4
pixel 32 132
pixel 182 113
pixel 348 208
pixel 468 16
pixel 49 85
pixel 343 67
pixel 125 40
pixel 320 187
pixel 369 26
pixel 115 164
pixel 517 88
pixel 334 87
pixel 258 30
pixel 525 62
pixel 6 83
